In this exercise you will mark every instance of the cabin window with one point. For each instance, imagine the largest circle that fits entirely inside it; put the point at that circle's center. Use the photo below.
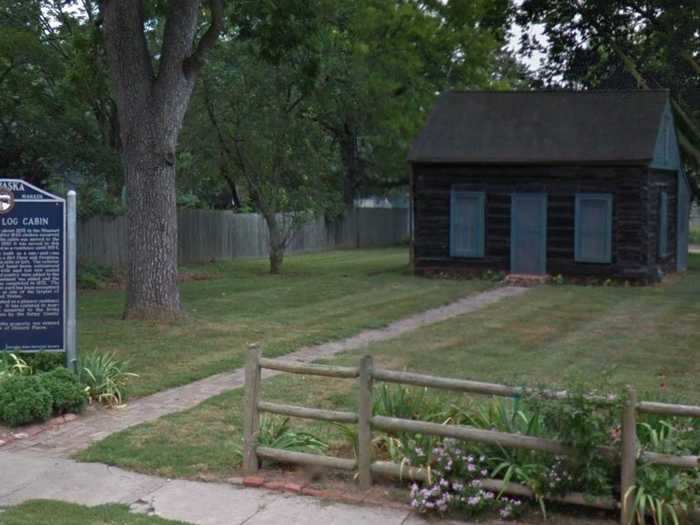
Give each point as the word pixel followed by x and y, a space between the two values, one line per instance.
pixel 663 224
pixel 467 211
pixel 593 235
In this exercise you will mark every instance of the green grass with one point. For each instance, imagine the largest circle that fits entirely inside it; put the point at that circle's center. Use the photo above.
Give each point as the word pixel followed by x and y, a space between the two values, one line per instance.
pixel 647 336
pixel 319 297
pixel 59 513
pixel 694 236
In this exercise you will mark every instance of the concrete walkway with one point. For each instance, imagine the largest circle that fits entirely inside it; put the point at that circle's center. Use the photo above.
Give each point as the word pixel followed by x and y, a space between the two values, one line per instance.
pixel 26 477
pixel 73 437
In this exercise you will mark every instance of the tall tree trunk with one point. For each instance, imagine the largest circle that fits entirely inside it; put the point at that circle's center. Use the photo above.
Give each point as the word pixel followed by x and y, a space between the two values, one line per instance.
pixel 352 165
pixel 152 291
pixel 277 243
pixel 151 108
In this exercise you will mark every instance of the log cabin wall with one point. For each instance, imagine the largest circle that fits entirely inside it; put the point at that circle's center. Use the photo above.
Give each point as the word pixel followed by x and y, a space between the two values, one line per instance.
pixel 632 228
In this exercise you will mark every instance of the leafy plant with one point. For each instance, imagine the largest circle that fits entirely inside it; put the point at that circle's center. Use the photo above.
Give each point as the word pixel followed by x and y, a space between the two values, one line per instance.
pixel 23 400
pixel 275 432
pixel 584 424
pixel 12 364
pixel 663 493
pixel 66 391
pixel 106 378
pixel 407 403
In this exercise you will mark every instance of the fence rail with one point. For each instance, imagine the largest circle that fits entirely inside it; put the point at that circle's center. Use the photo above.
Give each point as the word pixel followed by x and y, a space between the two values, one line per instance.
pixel 204 235
pixel 366 374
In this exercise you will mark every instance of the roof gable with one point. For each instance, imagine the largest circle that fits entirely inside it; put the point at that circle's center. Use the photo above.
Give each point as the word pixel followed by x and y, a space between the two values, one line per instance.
pixel 541 127
pixel 666 152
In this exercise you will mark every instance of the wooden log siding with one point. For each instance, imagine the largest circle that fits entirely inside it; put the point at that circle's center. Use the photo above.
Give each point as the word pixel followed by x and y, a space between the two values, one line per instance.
pixel 631 187
pixel 367 374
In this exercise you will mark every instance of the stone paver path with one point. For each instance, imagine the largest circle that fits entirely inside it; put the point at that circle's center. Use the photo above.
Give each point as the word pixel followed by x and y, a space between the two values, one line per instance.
pixel 70 438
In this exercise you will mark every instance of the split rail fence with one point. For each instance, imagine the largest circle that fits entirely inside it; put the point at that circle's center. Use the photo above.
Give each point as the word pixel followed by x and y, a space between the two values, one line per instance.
pixel 366 374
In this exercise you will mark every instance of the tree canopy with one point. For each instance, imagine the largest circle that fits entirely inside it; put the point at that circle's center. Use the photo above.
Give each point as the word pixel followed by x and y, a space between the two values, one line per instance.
pixel 616 44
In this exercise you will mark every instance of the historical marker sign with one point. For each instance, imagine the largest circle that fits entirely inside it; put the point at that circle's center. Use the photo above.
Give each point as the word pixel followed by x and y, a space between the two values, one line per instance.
pixel 32 268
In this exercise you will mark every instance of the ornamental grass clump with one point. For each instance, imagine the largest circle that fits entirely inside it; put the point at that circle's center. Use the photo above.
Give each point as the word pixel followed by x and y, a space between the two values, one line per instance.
pixel 456 485
pixel 105 378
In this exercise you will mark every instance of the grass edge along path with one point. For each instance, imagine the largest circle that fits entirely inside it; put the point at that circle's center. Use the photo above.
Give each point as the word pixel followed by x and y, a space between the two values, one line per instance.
pixel 71 438
pixel 319 297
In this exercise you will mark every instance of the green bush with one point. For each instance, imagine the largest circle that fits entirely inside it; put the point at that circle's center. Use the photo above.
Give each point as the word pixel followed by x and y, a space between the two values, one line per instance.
pixel 44 361
pixel 23 399
pixel 93 276
pixel 67 393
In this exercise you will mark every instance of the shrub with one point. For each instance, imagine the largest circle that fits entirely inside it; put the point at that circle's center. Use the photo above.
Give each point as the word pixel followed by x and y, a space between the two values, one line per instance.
pixel 93 276
pixel 664 492
pixel 45 361
pixel 24 400
pixel 67 393
pixel 106 378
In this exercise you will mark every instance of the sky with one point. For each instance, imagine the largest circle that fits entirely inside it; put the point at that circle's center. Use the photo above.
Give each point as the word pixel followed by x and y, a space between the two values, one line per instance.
pixel 535 31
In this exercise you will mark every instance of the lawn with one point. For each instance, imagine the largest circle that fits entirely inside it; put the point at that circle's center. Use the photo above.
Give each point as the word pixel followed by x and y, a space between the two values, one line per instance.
pixel 319 297
pixel 552 335
pixel 59 513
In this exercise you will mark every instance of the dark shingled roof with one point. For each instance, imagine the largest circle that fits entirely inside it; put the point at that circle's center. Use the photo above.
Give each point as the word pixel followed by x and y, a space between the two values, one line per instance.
pixel 541 127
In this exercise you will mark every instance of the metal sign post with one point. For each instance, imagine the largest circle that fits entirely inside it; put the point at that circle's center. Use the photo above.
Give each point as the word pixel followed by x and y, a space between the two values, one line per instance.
pixel 71 278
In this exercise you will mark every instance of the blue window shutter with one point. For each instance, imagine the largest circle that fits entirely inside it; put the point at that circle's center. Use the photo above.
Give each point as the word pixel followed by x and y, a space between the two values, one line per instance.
pixel 663 224
pixel 593 234
pixel 467 223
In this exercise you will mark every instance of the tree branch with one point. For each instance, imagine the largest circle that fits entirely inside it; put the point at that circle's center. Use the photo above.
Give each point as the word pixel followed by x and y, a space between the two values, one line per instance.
pixel 127 50
pixel 178 37
pixel 688 147
pixel 195 61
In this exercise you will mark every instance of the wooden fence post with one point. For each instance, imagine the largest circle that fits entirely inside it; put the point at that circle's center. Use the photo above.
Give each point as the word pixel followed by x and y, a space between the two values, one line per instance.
pixel 251 418
pixel 364 434
pixel 629 456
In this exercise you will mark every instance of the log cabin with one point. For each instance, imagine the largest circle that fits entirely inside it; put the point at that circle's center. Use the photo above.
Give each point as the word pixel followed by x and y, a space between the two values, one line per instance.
pixel 586 184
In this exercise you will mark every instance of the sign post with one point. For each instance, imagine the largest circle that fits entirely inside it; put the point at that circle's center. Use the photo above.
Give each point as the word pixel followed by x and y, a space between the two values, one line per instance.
pixel 71 278
pixel 37 270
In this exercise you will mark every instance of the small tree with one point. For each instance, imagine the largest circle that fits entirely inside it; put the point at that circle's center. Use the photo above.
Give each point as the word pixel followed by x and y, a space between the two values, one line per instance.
pixel 281 154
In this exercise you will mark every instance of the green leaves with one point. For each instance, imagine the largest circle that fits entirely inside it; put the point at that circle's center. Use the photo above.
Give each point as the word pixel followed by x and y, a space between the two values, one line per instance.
pixel 275 432
pixel 105 378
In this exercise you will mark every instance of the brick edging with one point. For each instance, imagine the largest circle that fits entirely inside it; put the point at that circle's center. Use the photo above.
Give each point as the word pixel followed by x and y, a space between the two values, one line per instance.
pixel 31 431
pixel 276 485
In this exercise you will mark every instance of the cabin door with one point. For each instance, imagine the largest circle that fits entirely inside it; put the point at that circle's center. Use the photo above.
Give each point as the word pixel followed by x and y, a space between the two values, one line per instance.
pixel 528 233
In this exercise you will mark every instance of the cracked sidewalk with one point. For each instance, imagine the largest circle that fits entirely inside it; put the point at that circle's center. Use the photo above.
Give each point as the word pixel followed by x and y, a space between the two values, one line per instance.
pixel 29 477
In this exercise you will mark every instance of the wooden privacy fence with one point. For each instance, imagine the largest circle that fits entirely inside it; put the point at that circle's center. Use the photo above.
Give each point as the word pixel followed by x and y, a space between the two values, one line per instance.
pixel 366 468
pixel 204 235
